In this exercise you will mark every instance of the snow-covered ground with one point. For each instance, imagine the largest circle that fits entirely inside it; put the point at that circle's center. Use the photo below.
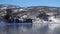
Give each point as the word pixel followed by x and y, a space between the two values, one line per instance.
pixel 51 24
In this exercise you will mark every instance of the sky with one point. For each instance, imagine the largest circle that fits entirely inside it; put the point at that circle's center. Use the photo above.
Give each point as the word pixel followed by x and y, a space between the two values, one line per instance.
pixel 26 3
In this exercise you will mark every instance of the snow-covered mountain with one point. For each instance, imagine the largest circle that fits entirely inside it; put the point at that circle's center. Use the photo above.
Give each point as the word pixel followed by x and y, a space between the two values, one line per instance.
pixel 32 11
pixel 3 8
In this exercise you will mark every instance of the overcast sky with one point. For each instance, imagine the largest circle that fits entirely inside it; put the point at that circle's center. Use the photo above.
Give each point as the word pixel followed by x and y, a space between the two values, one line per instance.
pixel 25 3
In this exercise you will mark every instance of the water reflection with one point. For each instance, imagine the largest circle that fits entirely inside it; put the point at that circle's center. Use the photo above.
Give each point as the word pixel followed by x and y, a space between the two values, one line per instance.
pixel 29 29
pixel 15 28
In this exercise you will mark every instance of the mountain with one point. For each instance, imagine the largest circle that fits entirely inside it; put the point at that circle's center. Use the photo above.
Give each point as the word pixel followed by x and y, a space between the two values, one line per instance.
pixel 3 8
pixel 30 11
pixel 36 10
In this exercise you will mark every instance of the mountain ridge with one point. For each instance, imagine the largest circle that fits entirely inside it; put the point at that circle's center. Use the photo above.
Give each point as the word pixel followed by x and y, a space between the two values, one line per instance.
pixel 33 10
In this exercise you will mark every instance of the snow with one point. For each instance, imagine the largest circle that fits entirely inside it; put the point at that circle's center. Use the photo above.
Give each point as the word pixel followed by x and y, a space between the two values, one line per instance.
pixel 21 10
pixel 55 20
pixel 24 16
pixel 3 8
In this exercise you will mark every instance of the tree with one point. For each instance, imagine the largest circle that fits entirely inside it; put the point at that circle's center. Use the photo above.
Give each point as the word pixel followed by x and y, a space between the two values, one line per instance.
pixel 8 14
pixel 43 16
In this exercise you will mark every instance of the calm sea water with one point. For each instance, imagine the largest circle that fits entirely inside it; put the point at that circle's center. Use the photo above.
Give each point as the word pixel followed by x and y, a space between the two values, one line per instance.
pixel 29 29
